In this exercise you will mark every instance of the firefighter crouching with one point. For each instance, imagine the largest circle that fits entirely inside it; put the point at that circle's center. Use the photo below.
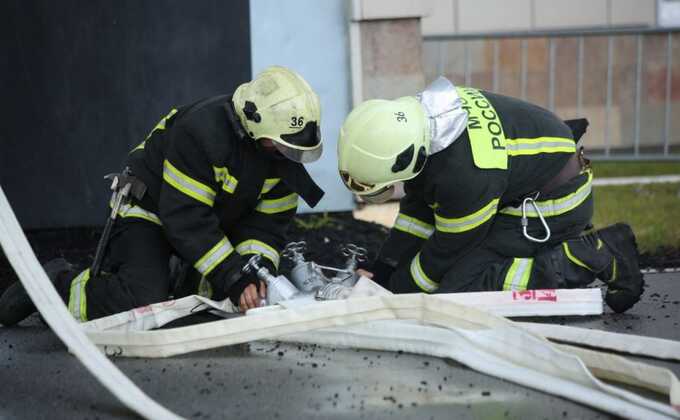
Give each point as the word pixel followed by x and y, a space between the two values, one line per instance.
pixel 497 196
pixel 213 183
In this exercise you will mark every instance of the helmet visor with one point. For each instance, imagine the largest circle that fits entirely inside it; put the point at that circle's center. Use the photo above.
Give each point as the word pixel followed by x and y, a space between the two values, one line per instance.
pixel 382 195
pixel 355 186
pixel 362 189
pixel 303 146
pixel 299 155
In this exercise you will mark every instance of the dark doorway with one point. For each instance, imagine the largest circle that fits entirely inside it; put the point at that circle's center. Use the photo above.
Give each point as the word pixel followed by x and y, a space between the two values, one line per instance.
pixel 83 81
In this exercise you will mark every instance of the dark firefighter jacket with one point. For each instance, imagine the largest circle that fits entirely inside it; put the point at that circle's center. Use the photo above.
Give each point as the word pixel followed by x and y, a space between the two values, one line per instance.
pixel 217 197
pixel 510 149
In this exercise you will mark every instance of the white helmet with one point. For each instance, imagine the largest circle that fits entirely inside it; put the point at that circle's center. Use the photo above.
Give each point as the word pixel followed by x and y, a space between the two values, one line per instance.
pixel 382 142
pixel 278 104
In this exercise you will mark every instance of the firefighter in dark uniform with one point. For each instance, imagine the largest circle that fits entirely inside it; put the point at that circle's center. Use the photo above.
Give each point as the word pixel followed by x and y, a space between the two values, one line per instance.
pixel 222 178
pixel 497 196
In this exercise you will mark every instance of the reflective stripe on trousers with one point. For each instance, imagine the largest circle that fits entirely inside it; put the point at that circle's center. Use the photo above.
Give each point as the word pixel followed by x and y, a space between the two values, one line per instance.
pixel 517 277
pixel 77 301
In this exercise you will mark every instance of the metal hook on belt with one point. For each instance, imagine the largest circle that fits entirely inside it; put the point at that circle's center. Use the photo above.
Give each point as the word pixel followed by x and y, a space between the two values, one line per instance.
pixel 525 220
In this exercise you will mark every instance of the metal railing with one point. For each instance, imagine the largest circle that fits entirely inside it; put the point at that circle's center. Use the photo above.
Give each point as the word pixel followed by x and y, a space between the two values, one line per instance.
pixel 659 146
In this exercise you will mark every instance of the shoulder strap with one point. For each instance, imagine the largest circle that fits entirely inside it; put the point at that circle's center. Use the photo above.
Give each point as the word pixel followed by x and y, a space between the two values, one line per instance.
pixel 295 175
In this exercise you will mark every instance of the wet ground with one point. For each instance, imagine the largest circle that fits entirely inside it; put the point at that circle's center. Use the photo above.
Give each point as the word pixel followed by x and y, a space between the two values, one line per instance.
pixel 268 380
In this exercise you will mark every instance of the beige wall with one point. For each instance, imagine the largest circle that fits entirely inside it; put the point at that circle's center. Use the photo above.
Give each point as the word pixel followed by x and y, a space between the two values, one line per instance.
pixel 478 16
pixel 386 48
pixel 391 53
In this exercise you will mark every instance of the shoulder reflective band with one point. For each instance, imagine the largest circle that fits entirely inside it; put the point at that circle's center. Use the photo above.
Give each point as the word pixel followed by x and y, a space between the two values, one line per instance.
pixel 517 277
pixel 222 176
pixel 484 129
pixel 463 224
pixel 77 301
pixel 188 185
pixel 159 126
pixel 212 258
pixel 413 226
pixel 278 205
pixel 162 122
pixel 269 184
pixel 522 147
pixel 253 246
pixel 558 206
pixel 420 278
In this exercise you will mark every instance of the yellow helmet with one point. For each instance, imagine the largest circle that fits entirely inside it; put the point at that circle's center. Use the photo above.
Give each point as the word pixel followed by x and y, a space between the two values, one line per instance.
pixel 381 143
pixel 278 104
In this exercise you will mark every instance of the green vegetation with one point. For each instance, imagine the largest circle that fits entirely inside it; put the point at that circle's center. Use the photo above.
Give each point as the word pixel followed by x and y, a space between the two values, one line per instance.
pixel 653 210
pixel 314 221
pixel 616 169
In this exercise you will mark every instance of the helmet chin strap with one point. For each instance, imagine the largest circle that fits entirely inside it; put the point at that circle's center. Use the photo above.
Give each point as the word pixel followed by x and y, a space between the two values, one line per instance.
pixel 233 120
pixel 272 153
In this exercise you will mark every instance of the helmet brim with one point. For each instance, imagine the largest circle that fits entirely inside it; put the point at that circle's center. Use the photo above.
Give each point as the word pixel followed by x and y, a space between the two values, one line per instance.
pixel 299 155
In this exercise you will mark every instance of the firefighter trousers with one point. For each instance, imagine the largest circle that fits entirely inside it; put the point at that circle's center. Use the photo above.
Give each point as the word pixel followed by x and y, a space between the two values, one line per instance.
pixel 135 272
pixel 507 260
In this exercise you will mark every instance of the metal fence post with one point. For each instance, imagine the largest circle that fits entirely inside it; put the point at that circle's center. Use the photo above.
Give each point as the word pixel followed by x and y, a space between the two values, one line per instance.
pixel 551 74
pixel 440 58
pixel 496 51
pixel 579 77
pixel 523 69
pixel 638 75
pixel 608 106
pixel 669 78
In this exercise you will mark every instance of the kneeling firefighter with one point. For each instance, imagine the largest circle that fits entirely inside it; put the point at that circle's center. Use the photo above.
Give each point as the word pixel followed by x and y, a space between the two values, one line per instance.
pixel 213 183
pixel 497 196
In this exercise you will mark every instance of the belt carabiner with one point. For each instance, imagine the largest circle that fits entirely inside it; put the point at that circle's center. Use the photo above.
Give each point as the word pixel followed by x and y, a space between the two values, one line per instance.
pixel 525 220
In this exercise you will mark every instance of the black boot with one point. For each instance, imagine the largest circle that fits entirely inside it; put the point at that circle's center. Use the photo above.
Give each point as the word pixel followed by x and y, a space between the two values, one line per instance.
pixel 611 255
pixel 558 268
pixel 623 276
pixel 16 305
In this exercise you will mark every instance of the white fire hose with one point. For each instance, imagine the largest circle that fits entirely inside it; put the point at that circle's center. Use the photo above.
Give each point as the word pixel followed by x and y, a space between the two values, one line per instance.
pixel 47 300
pixel 430 325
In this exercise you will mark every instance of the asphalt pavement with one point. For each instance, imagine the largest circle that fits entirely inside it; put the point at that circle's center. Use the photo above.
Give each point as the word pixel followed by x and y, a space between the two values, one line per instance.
pixel 269 380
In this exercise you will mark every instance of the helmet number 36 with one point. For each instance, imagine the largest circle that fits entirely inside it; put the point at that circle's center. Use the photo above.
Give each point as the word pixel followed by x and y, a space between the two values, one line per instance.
pixel 297 121
pixel 401 116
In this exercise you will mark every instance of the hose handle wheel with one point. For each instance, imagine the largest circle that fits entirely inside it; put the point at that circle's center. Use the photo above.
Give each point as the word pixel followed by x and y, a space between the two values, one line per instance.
pixel 355 252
